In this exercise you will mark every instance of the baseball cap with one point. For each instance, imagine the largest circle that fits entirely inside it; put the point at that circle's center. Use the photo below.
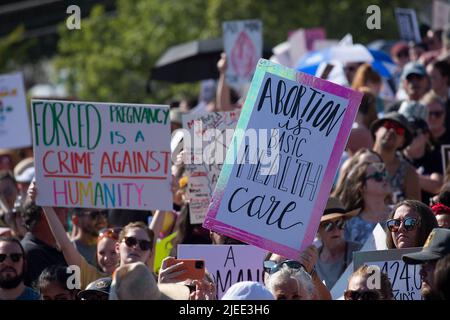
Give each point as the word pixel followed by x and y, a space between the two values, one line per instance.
pixel 248 290
pixel 96 290
pixel 436 247
pixel 413 68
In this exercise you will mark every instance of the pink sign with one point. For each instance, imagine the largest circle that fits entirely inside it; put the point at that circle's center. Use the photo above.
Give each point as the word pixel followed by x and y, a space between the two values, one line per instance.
pixel 275 198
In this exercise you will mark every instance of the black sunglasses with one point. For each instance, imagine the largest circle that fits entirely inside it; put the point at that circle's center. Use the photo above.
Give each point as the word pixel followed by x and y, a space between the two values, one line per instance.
pixel 409 224
pixel 145 245
pixel 331 225
pixel 15 257
pixel 272 267
pixel 378 176
pixel 362 295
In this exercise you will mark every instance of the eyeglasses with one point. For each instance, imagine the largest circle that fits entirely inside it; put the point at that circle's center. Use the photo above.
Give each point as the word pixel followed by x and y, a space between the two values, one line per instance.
pixel 112 233
pixel 378 176
pixel 331 225
pixel 397 128
pixel 403 54
pixel 409 224
pixel 272 267
pixel 436 114
pixel 145 245
pixel 15 257
pixel 362 295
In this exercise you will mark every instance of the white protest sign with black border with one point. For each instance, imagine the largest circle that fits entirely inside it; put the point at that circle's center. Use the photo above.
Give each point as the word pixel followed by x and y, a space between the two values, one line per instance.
pixel 405 278
pixel 14 122
pixel 228 264
pixel 214 130
pixel 445 153
pixel 102 155
pixel 243 44
pixel 407 24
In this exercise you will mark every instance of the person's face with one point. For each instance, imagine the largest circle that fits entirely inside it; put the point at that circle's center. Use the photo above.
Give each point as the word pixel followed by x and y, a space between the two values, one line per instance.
pixel 438 82
pixel 8 191
pixel 11 268
pixel 134 253
pixel 374 87
pixel 376 180
pixel 403 238
pixel 427 277
pixel 390 136
pixel 443 221
pixel 332 233
pixel 350 71
pixel 277 259
pixel 91 222
pixel 289 290
pixel 416 86
pixel 54 291
pixel 359 284
pixel 402 58
pixel 436 115
pixel 106 255
pixel 418 143
pixel 6 162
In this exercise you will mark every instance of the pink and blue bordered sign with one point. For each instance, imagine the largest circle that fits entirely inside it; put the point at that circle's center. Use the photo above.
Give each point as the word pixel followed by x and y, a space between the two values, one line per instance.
pixel 277 204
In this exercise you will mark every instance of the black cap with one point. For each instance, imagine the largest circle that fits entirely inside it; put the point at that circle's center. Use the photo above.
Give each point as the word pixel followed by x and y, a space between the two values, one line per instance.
pixel 397 118
pixel 436 247
pixel 97 288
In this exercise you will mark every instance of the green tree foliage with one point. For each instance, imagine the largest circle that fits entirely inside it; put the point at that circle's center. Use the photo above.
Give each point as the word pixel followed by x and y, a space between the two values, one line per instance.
pixel 110 58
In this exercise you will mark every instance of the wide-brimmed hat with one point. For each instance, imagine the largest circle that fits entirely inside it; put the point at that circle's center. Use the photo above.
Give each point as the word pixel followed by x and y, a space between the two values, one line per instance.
pixel 335 209
pixel 397 118
pixel 135 281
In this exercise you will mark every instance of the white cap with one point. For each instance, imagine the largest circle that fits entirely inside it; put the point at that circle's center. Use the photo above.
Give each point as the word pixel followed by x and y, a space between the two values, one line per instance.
pixel 248 290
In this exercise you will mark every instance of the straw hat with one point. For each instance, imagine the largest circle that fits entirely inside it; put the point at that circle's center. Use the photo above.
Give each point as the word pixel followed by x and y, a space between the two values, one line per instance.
pixel 335 209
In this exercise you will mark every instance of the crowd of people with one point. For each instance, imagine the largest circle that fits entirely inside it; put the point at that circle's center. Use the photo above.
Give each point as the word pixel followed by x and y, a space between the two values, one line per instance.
pixel 391 174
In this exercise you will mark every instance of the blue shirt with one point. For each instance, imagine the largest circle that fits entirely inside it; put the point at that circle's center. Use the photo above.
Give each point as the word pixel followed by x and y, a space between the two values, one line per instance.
pixel 359 230
pixel 29 294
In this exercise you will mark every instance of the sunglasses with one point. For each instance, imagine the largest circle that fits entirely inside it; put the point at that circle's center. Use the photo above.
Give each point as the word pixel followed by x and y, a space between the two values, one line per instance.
pixel 362 295
pixel 112 233
pixel 145 245
pixel 409 224
pixel 272 267
pixel 15 257
pixel 395 126
pixel 378 176
pixel 436 114
pixel 403 54
pixel 331 225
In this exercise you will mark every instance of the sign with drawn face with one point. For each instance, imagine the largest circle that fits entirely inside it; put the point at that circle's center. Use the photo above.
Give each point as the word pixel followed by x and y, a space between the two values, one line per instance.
pixel 280 165
pixel 102 155
pixel 243 47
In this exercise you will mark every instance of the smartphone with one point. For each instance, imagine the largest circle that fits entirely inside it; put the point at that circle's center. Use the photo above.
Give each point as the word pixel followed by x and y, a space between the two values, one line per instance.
pixel 195 269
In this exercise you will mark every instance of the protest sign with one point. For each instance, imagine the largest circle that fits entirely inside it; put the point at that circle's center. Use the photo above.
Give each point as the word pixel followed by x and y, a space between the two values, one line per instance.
pixel 441 12
pixel 228 264
pixel 407 24
pixel 162 250
pixel 289 139
pixel 376 241
pixel 102 155
pixel 243 47
pixel 405 278
pixel 215 134
pixel 302 40
pixel 445 153
pixel 14 122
